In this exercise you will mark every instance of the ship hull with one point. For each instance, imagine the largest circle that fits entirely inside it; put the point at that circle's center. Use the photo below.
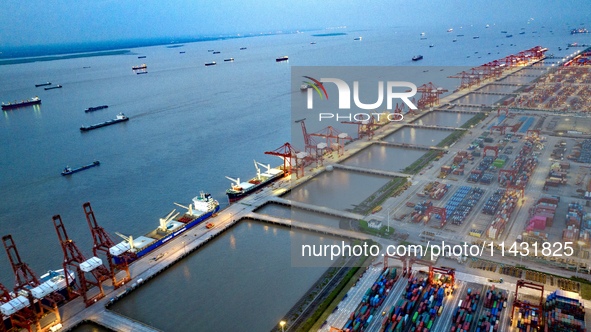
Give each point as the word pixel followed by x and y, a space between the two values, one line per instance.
pixel 27 103
pixel 234 196
pixel 157 243
pixel 104 124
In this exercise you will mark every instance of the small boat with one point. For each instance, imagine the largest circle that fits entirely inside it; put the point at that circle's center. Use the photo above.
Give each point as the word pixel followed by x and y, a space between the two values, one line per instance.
pixel 282 58
pixel 229 60
pixel 522 33
pixel 53 87
pixel 417 58
pixel 141 57
pixel 242 48
pixel 67 170
pixel 431 45
pixel 459 35
pixel 42 84
pixel 475 37
pixel 210 63
pixel 423 38
pixel 120 118
pixel 450 30
pixel 503 31
pixel 313 43
pixel 509 36
pixel 209 50
pixel 455 40
pixel 142 66
pixel 141 72
pixel 95 108
pixel 358 38
pixel 216 52
pixel 182 52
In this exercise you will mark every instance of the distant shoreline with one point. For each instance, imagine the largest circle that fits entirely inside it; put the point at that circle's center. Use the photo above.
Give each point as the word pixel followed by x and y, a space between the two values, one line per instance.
pixel 26 54
pixel 61 57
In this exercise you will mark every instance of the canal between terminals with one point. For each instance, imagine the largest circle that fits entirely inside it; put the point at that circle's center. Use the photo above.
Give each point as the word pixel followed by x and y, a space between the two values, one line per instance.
pixel 241 281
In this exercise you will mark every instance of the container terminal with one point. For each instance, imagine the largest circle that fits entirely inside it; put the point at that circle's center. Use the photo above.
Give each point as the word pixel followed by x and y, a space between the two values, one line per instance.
pixel 508 175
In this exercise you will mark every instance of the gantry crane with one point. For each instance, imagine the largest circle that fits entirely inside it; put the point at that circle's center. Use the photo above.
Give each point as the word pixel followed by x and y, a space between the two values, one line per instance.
pixel 34 298
pixel 103 244
pixel 75 260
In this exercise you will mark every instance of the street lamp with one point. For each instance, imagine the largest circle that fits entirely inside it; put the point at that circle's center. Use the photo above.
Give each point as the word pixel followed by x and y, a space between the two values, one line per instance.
pixel 282 324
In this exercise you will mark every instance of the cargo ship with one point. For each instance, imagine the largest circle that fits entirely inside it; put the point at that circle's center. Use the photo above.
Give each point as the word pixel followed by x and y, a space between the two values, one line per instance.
pixel 50 282
pixel 417 58
pixel 42 84
pixel 95 108
pixel 23 103
pixel 67 170
pixel 239 190
pixel 142 66
pixel 282 58
pixel 203 207
pixel 120 118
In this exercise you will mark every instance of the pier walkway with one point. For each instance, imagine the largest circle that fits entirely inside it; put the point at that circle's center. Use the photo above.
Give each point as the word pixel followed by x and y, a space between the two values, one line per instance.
pixel 411 146
pixel 307 226
pixel 371 171
pixel 121 323
pixel 316 208
pixel 434 127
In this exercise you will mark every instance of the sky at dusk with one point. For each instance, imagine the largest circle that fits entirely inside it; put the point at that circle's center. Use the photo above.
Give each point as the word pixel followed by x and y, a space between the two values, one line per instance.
pixel 41 22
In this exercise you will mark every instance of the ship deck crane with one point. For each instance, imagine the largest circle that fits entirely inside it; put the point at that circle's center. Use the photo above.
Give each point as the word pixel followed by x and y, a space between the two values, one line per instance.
pixel 103 243
pixel 26 283
pixel 166 220
pixel 74 259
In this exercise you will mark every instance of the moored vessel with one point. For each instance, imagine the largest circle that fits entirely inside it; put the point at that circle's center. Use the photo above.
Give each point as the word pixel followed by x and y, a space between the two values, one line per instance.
pixel 142 66
pixel 239 189
pixel 282 58
pixel 42 84
pixel 202 207
pixel 33 101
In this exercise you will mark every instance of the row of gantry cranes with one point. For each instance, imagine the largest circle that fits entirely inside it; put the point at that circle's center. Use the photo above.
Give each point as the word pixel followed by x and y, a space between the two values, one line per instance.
pixel 327 140
pixel 294 160
pixel 31 300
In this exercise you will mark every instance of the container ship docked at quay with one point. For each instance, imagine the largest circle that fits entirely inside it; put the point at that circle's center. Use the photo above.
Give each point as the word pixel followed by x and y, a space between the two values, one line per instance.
pixel 239 190
pixel 202 207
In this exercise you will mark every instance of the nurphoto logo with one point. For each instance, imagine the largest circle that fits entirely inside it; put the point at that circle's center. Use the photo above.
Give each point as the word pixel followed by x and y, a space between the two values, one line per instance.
pixel 344 98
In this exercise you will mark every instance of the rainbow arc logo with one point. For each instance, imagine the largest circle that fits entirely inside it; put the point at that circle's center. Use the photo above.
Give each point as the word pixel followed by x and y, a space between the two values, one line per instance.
pixel 316 85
